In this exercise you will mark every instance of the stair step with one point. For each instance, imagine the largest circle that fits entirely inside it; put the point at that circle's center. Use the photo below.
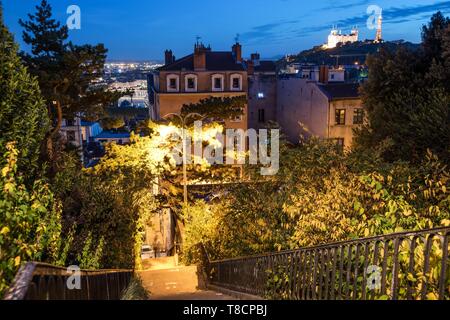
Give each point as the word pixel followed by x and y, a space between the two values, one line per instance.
pixel 159 263
pixel 171 281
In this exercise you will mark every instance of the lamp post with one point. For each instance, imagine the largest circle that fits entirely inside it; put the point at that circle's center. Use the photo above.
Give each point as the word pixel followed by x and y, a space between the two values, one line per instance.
pixel 183 137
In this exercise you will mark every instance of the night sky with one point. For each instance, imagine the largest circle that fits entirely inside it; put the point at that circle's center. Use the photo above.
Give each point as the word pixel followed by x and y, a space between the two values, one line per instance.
pixel 142 29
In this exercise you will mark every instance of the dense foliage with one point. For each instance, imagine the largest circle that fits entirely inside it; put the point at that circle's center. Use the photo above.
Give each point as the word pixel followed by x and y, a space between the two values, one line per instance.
pixel 22 109
pixel 320 196
pixel 407 98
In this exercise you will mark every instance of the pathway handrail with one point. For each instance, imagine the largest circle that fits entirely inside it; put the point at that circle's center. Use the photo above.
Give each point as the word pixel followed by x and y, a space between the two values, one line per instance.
pixel 41 281
pixel 406 266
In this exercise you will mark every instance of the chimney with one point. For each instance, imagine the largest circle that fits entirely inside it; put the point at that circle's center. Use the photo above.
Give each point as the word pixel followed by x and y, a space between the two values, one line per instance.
pixel 250 67
pixel 237 52
pixel 255 58
pixel 323 74
pixel 169 57
pixel 200 56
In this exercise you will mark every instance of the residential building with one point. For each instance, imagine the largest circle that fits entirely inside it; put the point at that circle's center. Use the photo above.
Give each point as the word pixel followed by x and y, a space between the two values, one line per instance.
pixel 71 131
pixel 89 130
pixel 319 108
pixel 204 73
pixel 262 92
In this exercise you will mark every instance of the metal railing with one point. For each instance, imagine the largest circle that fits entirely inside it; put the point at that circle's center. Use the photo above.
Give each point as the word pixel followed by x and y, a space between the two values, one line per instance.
pixel 407 265
pixel 39 281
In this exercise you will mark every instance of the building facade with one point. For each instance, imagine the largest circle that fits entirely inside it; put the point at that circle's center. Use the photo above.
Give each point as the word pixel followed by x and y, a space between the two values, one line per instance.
pixel 198 76
pixel 319 108
pixel 262 92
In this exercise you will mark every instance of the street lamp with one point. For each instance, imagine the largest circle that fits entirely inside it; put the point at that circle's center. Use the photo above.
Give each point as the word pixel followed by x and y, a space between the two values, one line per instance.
pixel 183 137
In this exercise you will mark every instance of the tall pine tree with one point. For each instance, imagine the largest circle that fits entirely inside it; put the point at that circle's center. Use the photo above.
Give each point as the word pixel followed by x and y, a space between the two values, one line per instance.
pixel 65 71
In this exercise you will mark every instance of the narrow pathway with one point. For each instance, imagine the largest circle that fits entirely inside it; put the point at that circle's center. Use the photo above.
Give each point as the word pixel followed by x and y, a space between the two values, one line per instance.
pixel 165 281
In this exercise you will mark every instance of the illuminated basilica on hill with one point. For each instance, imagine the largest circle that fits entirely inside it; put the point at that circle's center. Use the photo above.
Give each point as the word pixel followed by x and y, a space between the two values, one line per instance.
pixel 336 37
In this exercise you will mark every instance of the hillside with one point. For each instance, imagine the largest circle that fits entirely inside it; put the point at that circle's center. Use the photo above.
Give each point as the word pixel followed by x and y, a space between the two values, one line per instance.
pixel 350 53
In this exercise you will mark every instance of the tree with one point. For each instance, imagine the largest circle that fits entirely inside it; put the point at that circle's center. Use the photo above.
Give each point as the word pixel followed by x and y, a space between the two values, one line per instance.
pixel 432 37
pixel 217 107
pixel 407 100
pixel 65 71
pixel 23 116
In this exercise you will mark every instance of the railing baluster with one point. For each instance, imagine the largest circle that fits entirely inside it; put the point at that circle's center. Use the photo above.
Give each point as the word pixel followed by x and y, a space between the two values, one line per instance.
pixel 365 266
pixel 412 249
pixel 395 266
pixel 426 265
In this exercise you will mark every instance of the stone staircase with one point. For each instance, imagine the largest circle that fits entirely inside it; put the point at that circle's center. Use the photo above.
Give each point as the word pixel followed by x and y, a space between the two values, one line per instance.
pixel 166 281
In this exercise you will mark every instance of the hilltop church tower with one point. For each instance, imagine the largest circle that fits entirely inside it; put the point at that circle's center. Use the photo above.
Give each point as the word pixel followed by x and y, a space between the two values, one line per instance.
pixel 379 36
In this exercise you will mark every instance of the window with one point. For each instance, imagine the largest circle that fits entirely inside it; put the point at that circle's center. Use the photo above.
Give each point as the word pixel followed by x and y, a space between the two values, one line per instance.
pixel 236 82
pixel 340 116
pixel 70 123
pixel 217 82
pixel 332 77
pixel 191 83
pixel 172 83
pixel 358 116
pixel 71 136
pixel 236 119
pixel 260 95
pixel 261 115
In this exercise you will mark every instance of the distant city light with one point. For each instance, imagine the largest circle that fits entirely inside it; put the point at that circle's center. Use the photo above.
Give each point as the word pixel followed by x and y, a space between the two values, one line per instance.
pixel 260 95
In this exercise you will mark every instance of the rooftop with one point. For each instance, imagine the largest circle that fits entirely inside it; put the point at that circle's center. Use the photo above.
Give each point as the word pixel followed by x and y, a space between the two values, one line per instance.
pixel 215 61
pixel 112 135
pixel 266 66
pixel 336 91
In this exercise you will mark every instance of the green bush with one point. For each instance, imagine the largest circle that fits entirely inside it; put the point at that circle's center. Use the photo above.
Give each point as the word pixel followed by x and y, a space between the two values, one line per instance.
pixel 30 220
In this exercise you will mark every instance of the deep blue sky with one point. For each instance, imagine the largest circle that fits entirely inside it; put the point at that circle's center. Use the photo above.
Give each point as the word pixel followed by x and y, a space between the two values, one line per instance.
pixel 142 29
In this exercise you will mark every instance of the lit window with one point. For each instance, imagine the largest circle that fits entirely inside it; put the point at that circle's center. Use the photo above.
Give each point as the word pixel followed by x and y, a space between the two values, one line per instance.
pixel 358 116
pixel 340 116
pixel 261 95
